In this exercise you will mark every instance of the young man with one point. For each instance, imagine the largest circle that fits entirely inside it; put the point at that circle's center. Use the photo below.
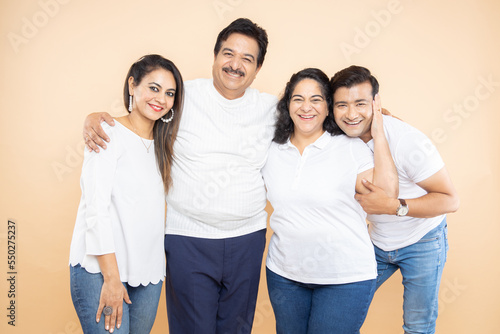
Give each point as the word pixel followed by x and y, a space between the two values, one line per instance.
pixel 216 223
pixel 410 234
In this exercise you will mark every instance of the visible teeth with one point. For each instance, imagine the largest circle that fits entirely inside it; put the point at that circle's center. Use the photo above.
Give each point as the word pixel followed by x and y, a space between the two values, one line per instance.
pixel 353 123
pixel 233 74
pixel 307 117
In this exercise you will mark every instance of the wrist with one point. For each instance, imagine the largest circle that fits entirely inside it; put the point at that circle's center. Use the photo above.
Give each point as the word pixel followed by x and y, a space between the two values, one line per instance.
pixel 393 206
pixel 402 209
pixel 111 277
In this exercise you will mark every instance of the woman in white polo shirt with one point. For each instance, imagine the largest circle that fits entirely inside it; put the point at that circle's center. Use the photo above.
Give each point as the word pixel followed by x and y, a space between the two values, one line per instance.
pixel 117 263
pixel 321 267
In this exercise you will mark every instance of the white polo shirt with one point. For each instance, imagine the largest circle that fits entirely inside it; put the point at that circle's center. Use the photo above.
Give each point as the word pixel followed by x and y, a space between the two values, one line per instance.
pixel 320 233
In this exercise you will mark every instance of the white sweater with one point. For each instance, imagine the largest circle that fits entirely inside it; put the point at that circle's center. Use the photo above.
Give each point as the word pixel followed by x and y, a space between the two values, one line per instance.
pixel 218 191
pixel 122 209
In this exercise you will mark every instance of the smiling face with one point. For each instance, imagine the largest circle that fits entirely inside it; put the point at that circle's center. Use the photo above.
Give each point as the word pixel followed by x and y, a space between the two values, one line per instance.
pixel 235 66
pixel 353 110
pixel 308 109
pixel 154 96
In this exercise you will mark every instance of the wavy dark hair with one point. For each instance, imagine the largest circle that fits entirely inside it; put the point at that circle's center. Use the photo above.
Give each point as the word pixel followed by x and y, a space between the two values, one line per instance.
pixel 351 76
pixel 164 134
pixel 248 28
pixel 284 123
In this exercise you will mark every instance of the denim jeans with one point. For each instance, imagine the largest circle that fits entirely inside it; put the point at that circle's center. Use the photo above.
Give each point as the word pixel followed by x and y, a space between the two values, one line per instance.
pixel 302 308
pixel 138 317
pixel 421 266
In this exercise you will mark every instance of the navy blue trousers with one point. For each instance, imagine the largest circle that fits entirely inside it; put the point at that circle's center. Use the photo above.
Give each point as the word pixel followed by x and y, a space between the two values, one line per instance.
pixel 212 284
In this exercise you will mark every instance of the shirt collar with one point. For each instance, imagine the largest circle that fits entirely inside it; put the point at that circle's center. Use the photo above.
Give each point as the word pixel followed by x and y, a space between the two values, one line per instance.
pixel 320 143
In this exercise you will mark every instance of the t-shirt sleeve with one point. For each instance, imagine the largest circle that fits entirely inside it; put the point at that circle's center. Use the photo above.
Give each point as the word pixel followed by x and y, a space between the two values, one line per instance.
pixel 362 155
pixel 418 156
pixel 97 179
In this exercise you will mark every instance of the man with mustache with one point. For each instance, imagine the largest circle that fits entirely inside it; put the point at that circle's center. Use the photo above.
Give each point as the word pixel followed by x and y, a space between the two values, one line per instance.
pixel 216 223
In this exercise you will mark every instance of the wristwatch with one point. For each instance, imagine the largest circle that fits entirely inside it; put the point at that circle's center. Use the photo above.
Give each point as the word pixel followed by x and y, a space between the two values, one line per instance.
pixel 402 209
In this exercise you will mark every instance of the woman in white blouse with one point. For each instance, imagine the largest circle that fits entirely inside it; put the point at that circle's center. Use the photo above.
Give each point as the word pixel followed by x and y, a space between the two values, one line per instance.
pixel 321 267
pixel 117 262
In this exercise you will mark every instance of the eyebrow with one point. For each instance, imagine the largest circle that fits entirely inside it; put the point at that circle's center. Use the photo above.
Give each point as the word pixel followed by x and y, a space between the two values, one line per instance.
pixel 157 84
pixel 245 54
pixel 356 101
pixel 317 95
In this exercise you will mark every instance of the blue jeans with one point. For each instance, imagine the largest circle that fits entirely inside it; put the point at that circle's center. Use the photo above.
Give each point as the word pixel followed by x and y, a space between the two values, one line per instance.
pixel 302 308
pixel 138 317
pixel 421 266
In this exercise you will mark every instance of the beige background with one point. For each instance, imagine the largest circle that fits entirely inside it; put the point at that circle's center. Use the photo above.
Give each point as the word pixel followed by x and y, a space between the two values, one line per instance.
pixel 61 60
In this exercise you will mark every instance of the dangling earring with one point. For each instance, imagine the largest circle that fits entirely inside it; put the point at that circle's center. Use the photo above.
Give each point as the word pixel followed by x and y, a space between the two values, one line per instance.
pixel 130 103
pixel 171 117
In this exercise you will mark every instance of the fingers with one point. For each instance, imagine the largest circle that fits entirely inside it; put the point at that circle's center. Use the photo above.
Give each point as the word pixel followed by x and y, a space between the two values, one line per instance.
pixel 126 298
pixel 93 134
pixel 377 102
pixel 94 139
pixel 377 110
pixel 110 320
pixel 90 144
pixel 368 185
pixel 108 119
pixel 386 112
pixel 119 315
pixel 99 311
pixel 107 320
pixel 111 307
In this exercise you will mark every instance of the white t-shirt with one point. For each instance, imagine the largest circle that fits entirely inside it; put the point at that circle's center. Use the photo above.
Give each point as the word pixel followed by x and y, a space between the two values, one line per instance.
pixel 320 233
pixel 218 191
pixel 122 209
pixel 416 159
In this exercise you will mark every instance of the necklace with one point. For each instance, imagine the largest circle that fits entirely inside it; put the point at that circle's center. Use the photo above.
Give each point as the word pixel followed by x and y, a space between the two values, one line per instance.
pixel 143 143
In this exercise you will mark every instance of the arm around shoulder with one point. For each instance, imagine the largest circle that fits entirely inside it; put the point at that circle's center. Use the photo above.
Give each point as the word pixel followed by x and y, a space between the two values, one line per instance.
pixel 93 134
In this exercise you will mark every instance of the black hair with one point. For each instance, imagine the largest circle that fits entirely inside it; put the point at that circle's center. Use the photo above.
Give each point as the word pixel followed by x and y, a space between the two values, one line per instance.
pixel 351 76
pixel 284 124
pixel 248 28
pixel 164 134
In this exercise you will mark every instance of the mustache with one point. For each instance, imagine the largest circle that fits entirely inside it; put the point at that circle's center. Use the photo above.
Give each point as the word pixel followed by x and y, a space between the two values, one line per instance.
pixel 230 70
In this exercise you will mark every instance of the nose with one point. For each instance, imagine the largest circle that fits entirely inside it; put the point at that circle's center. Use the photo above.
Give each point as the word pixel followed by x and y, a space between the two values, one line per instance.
pixel 160 97
pixel 306 106
pixel 351 113
pixel 235 63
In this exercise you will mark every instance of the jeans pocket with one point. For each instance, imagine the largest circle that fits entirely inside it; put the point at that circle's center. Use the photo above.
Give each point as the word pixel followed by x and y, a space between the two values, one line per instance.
pixel 424 239
pixel 436 233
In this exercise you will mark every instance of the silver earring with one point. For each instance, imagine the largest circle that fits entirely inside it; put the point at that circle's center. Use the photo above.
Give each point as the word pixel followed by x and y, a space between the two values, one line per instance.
pixel 171 117
pixel 130 103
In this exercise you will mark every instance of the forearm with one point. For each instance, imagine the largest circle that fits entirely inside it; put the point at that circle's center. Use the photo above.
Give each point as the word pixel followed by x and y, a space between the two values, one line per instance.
pixel 385 174
pixel 109 267
pixel 432 205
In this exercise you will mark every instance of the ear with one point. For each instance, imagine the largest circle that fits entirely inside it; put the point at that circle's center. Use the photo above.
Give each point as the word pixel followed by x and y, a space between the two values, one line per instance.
pixel 257 71
pixel 131 85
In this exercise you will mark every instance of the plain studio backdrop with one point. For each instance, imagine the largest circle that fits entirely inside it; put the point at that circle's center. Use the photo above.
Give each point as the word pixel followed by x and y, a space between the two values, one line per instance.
pixel 437 63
